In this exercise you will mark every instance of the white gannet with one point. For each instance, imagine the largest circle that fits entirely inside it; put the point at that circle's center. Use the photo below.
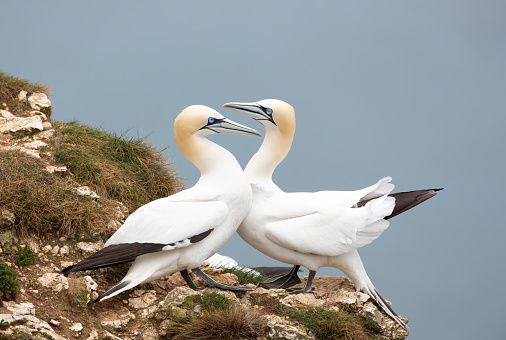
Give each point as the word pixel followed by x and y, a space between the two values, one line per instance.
pixel 320 229
pixel 179 232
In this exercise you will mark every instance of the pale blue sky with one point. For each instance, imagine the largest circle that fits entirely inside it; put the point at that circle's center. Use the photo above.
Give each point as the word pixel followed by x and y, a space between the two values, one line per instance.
pixel 411 89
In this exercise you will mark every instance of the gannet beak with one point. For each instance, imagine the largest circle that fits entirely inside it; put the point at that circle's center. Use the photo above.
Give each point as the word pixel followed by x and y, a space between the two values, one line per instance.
pixel 253 110
pixel 225 125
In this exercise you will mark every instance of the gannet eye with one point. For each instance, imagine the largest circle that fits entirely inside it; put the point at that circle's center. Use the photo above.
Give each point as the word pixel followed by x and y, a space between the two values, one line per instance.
pixel 211 120
pixel 268 111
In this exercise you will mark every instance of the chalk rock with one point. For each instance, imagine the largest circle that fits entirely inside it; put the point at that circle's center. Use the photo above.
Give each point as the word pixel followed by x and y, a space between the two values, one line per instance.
pixel 24 308
pixel 57 282
pixel 117 317
pixel 22 96
pixel 38 101
pixel 7 218
pixel 55 250
pixel 64 250
pixel 142 299
pixel 90 247
pixel 15 124
pixel 281 328
pixel 46 134
pixel 6 114
pixel 27 327
pixel 85 191
pixel 35 144
pixel 29 152
pixel 77 327
pixel 33 245
pixel 93 335
pixel 8 239
pixel 52 169
pixel 91 285
pixel 306 299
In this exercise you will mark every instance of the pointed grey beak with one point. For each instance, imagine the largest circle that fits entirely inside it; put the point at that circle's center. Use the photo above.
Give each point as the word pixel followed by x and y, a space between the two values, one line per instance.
pixel 225 125
pixel 253 110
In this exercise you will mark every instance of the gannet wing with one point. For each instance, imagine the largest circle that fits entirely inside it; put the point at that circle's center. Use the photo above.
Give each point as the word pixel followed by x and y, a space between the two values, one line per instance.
pixel 164 221
pixel 331 230
pixel 156 226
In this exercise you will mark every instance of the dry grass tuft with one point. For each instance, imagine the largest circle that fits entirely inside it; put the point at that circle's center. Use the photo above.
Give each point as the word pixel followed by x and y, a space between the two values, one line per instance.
pixel 233 323
pixel 10 87
pixel 267 304
pixel 43 202
pixel 125 169
pixel 325 324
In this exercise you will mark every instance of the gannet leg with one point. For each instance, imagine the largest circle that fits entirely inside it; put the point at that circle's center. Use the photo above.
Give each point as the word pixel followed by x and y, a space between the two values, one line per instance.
pixel 217 284
pixel 189 281
pixel 282 281
pixel 307 286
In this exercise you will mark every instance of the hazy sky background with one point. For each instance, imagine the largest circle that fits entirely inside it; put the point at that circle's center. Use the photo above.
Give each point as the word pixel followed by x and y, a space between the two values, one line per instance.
pixel 411 89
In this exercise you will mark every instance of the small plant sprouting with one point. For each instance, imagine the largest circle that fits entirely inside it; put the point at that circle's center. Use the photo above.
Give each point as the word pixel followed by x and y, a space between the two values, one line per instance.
pixel 245 275
pixel 25 256
pixel 3 323
pixel 9 284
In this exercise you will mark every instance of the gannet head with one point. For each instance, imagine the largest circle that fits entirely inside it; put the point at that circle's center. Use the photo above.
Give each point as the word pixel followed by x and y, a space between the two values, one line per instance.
pixel 191 127
pixel 269 112
pixel 202 120
pixel 278 118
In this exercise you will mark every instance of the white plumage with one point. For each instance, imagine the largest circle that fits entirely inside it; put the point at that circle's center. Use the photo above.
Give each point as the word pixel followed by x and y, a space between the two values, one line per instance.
pixel 321 229
pixel 179 232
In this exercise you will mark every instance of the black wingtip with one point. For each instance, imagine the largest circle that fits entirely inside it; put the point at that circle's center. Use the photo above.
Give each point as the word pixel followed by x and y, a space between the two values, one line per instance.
pixel 66 271
pixel 410 199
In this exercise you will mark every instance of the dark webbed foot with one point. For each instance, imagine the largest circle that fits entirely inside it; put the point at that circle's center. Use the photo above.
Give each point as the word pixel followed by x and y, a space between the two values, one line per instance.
pixel 189 281
pixel 307 287
pixel 217 284
pixel 282 281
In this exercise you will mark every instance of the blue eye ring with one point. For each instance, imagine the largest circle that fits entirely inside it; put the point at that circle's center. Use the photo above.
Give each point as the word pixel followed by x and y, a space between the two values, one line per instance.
pixel 211 120
pixel 268 111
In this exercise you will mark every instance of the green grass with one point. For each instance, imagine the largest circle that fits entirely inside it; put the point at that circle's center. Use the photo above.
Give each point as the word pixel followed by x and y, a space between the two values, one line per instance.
pixel 245 276
pixel 214 301
pixel 329 325
pixel 121 168
pixel 10 87
pixel 22 134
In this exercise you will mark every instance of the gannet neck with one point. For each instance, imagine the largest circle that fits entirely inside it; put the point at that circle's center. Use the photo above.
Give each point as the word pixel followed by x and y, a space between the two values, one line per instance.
pixel 207 156
pixel 275 147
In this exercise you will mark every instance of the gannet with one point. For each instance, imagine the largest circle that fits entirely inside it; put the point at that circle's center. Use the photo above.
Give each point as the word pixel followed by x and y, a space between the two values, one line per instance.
pixel 179 232
pixel 320 229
